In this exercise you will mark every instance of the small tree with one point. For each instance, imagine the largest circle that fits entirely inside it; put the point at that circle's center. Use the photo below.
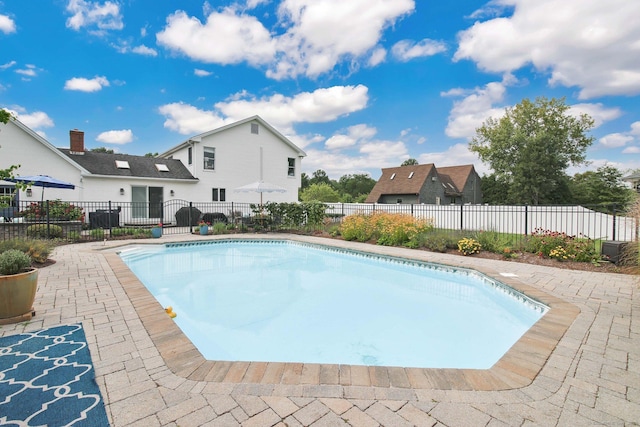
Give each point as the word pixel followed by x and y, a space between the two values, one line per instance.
pixel 409 162
pixel 320 193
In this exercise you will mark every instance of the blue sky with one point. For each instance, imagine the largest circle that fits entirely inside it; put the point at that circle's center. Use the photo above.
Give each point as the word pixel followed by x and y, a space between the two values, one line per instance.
pixel 359 85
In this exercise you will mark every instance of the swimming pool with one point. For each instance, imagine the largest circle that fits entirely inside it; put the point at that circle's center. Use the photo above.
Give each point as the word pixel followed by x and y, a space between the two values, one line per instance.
pixel 285 301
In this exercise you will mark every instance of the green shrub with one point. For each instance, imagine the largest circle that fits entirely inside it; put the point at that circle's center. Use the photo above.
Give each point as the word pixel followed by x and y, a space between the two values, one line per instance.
pixel 73 236
pixel 13 261
pixel 493 241
pixel 43 231
pixel 219 228
pixel 97 233
pixel 38 250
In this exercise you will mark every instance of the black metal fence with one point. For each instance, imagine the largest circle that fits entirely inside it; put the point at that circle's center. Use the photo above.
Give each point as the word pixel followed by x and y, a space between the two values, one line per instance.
pixel 105 220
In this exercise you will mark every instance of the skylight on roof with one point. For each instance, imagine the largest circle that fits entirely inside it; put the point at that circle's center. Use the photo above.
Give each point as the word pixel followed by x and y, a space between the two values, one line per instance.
pixel 449 184
pixel 122 164
pixel 162 167
pixel 411 175
pixel 393 175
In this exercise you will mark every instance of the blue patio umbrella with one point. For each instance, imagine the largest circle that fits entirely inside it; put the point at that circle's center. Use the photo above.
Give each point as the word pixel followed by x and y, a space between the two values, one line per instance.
pixel 44 181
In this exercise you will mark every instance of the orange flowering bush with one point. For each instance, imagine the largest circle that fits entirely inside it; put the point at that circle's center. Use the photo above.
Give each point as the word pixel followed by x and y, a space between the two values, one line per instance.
pixel 386 228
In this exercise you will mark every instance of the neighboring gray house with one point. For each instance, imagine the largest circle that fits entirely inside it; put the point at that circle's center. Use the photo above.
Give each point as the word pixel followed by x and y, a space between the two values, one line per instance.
pixel 427 184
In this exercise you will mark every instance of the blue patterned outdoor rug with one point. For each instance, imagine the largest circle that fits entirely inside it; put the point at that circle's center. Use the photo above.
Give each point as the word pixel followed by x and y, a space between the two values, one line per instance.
pixel 47 379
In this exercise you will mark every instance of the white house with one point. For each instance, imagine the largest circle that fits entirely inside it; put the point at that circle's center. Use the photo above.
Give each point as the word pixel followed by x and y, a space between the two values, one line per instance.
pixel 205 168
pixel 238 154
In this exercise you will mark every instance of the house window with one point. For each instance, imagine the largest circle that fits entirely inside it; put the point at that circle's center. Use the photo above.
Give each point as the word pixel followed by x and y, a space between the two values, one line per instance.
pixel 190 155
pixel 209 158
pixel 219 195
pixel 292 167
pixel 255 128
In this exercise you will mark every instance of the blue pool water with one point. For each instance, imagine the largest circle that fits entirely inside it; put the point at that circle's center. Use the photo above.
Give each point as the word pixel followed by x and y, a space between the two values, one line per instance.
pixel 281 301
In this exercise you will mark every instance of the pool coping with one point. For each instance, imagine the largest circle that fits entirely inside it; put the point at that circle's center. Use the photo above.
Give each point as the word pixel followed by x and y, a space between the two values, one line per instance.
pixel 517 368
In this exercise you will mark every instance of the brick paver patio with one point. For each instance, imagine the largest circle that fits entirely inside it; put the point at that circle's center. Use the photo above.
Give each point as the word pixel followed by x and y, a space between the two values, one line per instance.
pixel 149 374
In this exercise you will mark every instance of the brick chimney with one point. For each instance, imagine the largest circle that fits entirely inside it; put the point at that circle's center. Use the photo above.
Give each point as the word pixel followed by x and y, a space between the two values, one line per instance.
pixel 76 141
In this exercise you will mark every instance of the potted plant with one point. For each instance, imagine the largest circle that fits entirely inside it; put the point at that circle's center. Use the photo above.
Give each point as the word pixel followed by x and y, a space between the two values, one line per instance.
pixel 18 283
pixel 156 231
pixel 204 228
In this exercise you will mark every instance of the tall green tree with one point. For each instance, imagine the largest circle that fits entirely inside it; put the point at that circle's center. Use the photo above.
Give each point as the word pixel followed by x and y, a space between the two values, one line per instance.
pixel 355 186
pixel 320 177
pixel 5 116
pixel 603 186
pixel 531 147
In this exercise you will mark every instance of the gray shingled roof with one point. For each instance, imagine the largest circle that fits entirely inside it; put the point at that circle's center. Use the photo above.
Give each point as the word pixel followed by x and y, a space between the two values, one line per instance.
pixel 139 166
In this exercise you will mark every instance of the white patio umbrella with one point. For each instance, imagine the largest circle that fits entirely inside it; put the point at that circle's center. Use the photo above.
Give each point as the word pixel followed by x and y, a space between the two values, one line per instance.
pixel 260 187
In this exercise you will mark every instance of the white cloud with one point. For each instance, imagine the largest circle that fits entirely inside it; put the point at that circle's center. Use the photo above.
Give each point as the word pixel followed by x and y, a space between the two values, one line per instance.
pixel 380 153
pixel 406 50
pixel 631 150
pixel 478 105
pixel 225 38
pixel 29 70
pixel 7 65
pixel 86 85
pixel 614 140
pixel 105 16
pixel 597 112
pixel 354 135
pixel 621 139
pixel 188 120
pixel 144 50
pixel 304 46
pixel 201 73
pixel 7 25
pixel 356 27
pixel 35 120
pixel 321 105
pixel 457 154
pixel 123 136
pixel 590 44
pixel 378 55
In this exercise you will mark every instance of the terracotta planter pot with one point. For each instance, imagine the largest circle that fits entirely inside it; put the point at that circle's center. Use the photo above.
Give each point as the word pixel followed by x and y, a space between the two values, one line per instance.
pixel 17 293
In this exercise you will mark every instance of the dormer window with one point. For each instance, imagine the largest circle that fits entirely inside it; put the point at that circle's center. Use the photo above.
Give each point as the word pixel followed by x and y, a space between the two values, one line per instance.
pixel 162 167
pixel 393 175
pixel 122 164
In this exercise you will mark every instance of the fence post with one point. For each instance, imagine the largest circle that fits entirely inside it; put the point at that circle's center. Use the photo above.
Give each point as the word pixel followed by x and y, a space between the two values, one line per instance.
pixel 109 218
pixel 190 207
pixel 461 216
pixel 614 221
pixel 526 219
pixel 411 209
pixel 48 221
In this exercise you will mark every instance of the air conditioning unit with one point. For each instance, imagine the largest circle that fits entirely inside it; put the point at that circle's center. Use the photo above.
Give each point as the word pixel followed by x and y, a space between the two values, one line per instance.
pixel 612 250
